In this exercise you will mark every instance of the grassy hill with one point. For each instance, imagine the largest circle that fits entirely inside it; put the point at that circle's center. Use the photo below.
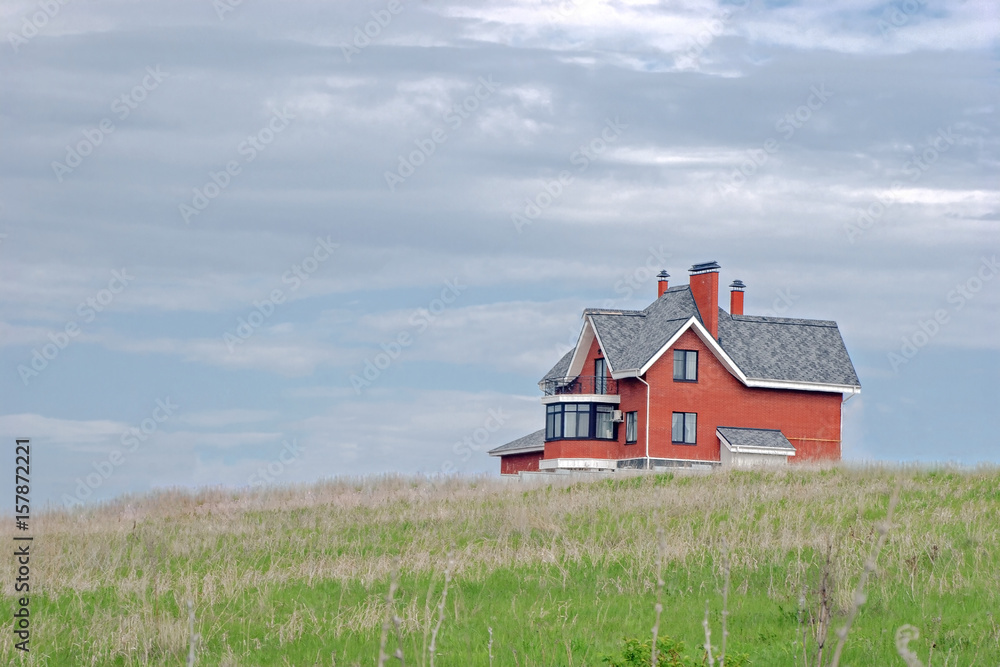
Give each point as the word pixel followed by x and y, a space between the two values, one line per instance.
pixel 538 575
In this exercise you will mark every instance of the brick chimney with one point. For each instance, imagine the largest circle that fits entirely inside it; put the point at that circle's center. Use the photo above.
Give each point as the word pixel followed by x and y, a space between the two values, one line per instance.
pixel 736 297
pixel 705 290
pixel 661 285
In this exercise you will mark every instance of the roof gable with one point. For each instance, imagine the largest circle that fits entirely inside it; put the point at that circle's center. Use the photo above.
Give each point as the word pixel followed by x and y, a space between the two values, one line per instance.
pixel 759 351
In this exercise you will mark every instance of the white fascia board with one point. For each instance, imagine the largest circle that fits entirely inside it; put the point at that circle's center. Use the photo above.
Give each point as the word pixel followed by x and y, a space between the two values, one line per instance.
pixel 582 398
pixel 582 347
pixel 600 343
pixel 803 386
pixel 519 450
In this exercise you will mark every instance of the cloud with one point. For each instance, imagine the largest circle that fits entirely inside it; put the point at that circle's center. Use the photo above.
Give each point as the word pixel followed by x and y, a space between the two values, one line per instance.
pixel 701 87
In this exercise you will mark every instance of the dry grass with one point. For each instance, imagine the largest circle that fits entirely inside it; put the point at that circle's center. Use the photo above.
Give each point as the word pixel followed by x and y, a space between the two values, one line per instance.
pixel 234 551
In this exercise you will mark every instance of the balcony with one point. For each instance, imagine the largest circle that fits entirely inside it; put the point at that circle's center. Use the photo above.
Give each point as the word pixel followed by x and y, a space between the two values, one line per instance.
pixel 582 384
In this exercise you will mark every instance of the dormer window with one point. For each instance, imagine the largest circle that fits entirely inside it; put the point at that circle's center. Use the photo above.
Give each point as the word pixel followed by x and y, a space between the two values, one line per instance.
pixel 685 365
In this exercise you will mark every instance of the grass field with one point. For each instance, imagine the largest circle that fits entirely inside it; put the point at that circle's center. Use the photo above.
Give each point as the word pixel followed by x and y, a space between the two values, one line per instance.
pixel 559 574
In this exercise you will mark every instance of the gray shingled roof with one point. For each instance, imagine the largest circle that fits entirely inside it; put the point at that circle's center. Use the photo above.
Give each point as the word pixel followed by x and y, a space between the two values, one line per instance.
pixel 758 438
pixel 559 371
pixel 532 441
pixel 764 348
pixel 782 348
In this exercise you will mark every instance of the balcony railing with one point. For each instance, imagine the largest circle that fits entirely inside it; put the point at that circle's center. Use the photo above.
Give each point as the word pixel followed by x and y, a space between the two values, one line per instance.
pixel 581 384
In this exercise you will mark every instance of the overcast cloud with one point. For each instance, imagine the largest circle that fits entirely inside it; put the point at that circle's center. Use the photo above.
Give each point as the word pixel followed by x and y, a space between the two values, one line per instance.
pixel 169 169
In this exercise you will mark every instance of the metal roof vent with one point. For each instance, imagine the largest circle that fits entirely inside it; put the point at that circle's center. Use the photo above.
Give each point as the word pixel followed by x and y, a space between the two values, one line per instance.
pixel 705 267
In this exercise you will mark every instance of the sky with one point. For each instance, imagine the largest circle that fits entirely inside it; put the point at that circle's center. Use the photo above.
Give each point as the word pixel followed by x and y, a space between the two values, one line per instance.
pixel 248 242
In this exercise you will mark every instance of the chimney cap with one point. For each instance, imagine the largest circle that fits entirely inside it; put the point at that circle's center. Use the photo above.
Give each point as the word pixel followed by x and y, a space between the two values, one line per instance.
pixel 705 267
pixel 737 285
pixel 663 275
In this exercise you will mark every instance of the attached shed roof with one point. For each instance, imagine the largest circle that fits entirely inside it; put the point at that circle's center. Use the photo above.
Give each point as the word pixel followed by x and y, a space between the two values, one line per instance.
pixel 763 440
pixel 533 442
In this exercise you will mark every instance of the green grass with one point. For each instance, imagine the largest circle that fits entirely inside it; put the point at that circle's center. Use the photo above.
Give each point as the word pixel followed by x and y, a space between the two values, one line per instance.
pixel 561 573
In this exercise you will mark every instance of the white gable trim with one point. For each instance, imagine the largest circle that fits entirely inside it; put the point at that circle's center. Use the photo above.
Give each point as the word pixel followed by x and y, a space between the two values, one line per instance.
pixel 730 365
pixel 600 344
pixel 707 339
pixel 583 344
pixel 804 386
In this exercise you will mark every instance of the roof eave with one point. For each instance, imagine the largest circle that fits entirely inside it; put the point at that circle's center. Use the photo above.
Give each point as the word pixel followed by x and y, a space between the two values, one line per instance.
pixel 519 450
pixel 765 383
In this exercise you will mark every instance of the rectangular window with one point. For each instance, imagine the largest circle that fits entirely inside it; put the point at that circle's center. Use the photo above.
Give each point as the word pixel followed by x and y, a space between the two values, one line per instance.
pixel 604 428
pixel 553 422
pixel 631 427
pixel 686 365
pixel 600 377
pixel 684 428
pixel 577 420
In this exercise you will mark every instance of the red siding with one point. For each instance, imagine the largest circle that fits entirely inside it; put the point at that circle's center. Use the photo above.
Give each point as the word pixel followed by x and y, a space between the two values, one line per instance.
pixel 514 463
pixel 810 420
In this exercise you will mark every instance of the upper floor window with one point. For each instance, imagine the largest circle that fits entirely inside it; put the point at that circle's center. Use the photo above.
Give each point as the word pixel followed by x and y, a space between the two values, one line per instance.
pixel 684 429
pixel 686 365
pixel 600 377
pixel 631 427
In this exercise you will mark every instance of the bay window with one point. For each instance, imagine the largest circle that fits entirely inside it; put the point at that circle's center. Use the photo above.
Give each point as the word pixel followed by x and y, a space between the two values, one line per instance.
pixel 581 421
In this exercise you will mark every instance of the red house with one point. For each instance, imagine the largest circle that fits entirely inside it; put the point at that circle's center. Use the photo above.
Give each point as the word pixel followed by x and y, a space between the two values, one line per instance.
pixel 685 383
